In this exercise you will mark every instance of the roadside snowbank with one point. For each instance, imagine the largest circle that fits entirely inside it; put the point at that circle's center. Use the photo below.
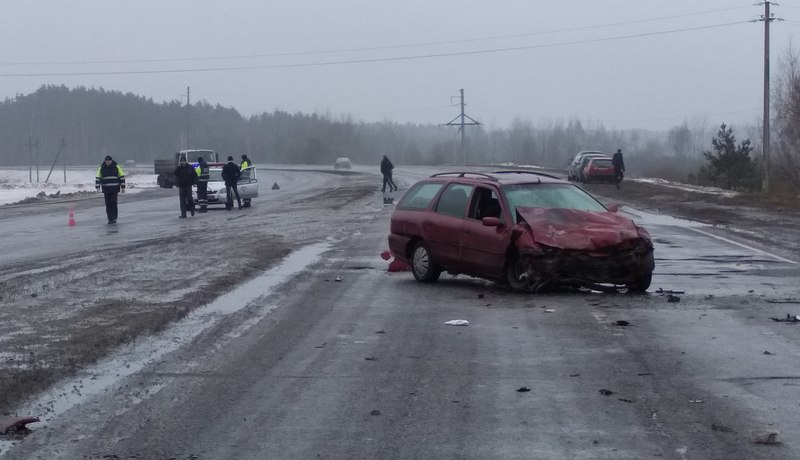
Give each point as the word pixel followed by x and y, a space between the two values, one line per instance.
pixel 16 185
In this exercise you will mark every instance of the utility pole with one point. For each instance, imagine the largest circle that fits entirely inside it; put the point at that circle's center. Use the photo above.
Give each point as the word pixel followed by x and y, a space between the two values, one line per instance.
pixel 31 145
pixel 766 18
pixel 188 117
pixel 461 126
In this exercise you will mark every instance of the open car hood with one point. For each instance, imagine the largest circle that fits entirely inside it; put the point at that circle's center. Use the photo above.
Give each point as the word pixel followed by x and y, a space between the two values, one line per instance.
pixel 580 230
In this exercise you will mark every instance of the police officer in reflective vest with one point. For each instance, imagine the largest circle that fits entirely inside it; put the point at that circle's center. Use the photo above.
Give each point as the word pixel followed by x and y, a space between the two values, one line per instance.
pixel 246 163
pixel 111 180
pixel 202 183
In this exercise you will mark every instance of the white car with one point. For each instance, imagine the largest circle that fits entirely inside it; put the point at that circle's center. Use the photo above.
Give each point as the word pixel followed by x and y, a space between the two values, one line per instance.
pixel 247 186
pixel 342 163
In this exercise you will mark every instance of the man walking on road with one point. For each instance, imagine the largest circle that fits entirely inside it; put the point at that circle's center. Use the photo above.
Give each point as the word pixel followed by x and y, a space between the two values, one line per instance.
pixel 202 171
pixel 230 174
pixel 619 166
pixel 111 180
pixel 185 177
pixel 386 170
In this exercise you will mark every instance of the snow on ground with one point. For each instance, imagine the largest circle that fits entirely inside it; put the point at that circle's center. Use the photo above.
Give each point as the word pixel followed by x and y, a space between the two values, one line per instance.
pixel 687 187
pixel 16 184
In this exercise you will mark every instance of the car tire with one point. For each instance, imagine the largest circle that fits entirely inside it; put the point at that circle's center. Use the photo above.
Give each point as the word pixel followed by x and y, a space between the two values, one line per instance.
pixel 642 282
pixel 514 270
pixel 424 269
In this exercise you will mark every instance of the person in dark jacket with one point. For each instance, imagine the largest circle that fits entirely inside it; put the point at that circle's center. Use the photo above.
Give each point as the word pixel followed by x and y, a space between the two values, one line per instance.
pixel 386 170
pixel 202 171
pixel 185 177
pixel 111 180
pixel 619 166
pixel 230 174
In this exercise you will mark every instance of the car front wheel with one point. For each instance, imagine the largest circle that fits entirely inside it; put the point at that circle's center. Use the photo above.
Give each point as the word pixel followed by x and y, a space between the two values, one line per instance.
pixel 517 273
pixel 422 265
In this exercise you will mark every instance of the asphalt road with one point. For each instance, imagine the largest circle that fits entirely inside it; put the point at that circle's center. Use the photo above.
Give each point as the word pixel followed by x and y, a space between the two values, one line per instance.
pixel 365 367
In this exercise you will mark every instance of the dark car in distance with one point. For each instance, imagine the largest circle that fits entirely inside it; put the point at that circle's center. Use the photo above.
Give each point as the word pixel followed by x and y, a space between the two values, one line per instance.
pixel 529 230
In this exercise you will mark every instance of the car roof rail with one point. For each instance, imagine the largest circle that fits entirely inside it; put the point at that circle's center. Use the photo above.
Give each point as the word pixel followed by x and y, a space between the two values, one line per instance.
pixel 517 171
pixel 464 173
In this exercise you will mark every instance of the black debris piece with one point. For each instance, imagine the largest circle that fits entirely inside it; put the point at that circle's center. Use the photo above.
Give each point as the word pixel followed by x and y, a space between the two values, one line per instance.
pixel 668 291
pixel 721 428
pixel 605 392
pixel 767 352
pixel 788 319
pixel 622 322
pixel 523 389
pixel 374 412
pixel 625 400
pixel 673 298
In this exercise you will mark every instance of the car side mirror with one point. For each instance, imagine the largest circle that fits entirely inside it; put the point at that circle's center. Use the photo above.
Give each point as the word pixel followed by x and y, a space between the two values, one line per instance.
pixel 613 207
pixel 491 222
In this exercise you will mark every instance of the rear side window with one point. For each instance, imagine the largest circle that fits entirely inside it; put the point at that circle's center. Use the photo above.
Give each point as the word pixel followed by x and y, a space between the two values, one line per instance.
pixel 454 200
pixel 420 196
pixel 602 163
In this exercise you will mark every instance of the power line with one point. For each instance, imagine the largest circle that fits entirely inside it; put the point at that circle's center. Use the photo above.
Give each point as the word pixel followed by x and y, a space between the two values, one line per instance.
pixel 371 60
pixel 374 48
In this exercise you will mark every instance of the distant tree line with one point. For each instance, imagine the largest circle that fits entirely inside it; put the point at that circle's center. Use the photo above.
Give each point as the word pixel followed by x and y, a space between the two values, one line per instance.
pixel 95 122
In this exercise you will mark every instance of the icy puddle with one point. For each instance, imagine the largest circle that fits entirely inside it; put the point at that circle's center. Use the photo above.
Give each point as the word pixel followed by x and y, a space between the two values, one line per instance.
pixel 130 359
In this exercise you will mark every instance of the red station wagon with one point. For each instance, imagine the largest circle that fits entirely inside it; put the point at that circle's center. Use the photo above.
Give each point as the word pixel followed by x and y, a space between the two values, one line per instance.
pixel 599 170
pixel 530 230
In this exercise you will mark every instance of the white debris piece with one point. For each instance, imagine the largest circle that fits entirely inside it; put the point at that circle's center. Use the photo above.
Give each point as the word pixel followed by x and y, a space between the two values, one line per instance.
pixel 457 322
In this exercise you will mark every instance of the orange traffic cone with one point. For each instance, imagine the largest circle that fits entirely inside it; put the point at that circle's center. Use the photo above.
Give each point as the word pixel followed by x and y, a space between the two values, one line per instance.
pixel 71 217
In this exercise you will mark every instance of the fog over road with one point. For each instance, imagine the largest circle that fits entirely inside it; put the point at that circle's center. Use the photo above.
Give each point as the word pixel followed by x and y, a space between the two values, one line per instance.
pixel 292 363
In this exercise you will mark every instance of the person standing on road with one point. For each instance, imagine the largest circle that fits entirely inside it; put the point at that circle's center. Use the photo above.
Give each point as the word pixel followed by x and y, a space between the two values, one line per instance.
pixel 111 180
pixel 230 174
pixel 185 177
pixel 203 175
pixel 619 166
pixel 246 163
pixel 386 170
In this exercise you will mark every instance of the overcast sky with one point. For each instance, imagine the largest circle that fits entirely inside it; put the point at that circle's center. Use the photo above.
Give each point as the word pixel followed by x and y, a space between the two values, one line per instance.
pixel 624 63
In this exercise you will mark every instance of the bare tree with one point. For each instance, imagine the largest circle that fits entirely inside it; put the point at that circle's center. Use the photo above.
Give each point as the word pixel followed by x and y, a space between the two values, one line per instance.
pixel 680 140
pixel 787 116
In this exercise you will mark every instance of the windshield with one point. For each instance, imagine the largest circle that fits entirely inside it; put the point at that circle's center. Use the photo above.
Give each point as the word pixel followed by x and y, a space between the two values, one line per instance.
pixel 566 196
pixel 215 175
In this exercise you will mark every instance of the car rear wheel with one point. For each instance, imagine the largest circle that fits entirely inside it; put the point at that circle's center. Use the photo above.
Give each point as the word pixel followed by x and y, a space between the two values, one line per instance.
pixel 422 265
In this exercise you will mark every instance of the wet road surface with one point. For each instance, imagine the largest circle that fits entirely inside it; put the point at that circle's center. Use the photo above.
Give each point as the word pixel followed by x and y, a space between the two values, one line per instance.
pixel 364 367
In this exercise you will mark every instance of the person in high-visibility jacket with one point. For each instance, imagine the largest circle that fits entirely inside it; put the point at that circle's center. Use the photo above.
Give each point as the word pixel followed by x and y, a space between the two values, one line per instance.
pixel 202 171
pixel 111 180
pixel 246 163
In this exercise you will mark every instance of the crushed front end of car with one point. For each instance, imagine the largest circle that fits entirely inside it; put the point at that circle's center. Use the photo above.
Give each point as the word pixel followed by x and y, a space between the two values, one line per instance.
pixel 567 247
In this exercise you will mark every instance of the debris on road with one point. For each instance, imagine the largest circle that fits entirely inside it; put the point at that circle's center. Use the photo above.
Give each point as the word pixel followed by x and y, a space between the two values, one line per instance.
pixel 370 358
pixel 788 319
pixel 549 310
pixel 457 322
pixel 673 298
pixel 606 392
pixel 322 345
pixel 622 322
pixel 668 291
pixel 339 278
pixel 523 389
pixel 765 436
pixel 696 401
pixel 380 332
pixel 625 400
pixel 767 352
pixel 721 428
pixel 395 265
pixel 10 425
pixel 375 412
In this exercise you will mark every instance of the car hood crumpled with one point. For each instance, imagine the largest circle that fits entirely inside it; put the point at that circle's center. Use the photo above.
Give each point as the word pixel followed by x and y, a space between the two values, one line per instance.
pixel 578 230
